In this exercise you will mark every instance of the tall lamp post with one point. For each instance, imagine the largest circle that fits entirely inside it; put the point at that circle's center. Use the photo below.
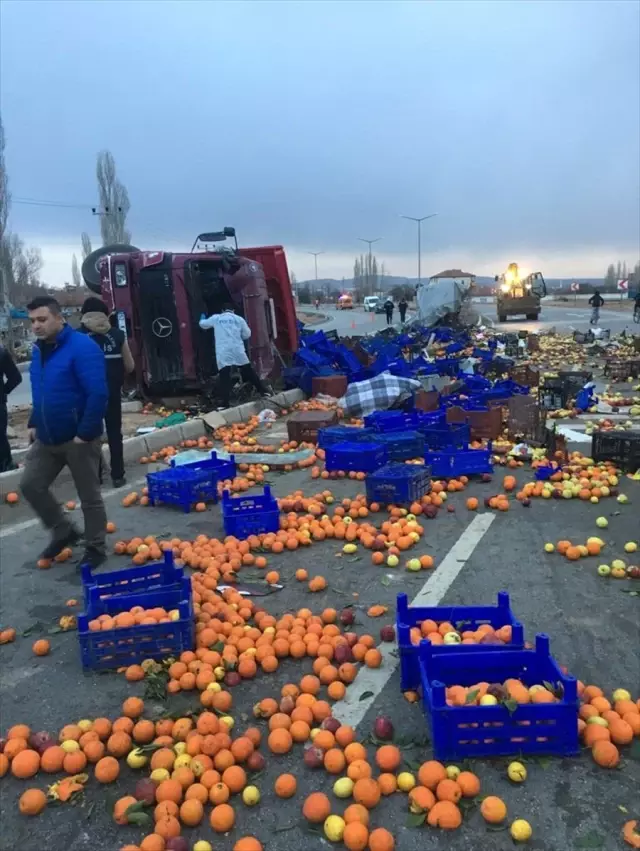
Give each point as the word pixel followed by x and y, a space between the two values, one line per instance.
pixel 315 255
pixel 369 243
pixel 419 221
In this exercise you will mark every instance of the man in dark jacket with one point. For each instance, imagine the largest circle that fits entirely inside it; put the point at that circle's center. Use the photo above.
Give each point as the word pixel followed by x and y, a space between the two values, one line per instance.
pixel 118 361
pixel 69 394
pixel 596 301
pixel 10 377
pixel 402 307
pixel 388 309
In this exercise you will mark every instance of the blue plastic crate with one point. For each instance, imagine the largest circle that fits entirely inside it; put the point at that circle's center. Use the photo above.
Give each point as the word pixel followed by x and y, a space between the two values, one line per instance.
pixel 385 421
pixel 460 732
pixel 116 648
pixel 450 463
pixel 362 457
pixel 402 445
pixel 185 484
pixel 398 483
pixel 461 617
pixel 339 434
pixel 250 515
pixel 447 436
pixel 132 580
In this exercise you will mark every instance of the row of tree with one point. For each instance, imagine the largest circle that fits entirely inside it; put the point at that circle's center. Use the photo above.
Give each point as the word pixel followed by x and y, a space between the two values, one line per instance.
pixel 619 272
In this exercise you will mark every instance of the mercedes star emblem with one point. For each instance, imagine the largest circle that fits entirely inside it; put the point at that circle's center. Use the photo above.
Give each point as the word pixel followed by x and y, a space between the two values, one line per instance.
pixel 162 327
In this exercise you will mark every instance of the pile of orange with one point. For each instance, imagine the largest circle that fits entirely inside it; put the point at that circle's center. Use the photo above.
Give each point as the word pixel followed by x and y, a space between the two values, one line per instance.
pixel 437 631
pixel 606 725
pixel 135 616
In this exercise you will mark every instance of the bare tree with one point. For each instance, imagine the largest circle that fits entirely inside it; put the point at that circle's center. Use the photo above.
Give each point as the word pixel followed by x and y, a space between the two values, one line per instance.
pixel 75 272
pixel 114 201
pixel 86 245
pixel 5 195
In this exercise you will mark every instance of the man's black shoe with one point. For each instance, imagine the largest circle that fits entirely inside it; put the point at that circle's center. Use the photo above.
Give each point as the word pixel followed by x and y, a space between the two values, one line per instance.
pixel 119 483
pixel 56 546
pixel 92 558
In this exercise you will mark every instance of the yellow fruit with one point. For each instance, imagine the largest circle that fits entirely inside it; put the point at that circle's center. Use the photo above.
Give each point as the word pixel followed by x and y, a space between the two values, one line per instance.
pixel 517 772
pixel 214 687
pixel 334 828
pixel 392 561
pixel 621 694
pixel 602 522
pixel 349 549
pixel 158 775
pixel 136 759
pixel 70 746
pixel 521 830
pixel 250 796
pixel 343 787
pixel 228 721
pixel 85 725
pixel 180 748
pixel 453 772
pixel 488 700
pixel 182 761
pixel 549 548
pixel 406 781
pixel 414 564
pixel 202 845
pixel 598 720
pixel 630 547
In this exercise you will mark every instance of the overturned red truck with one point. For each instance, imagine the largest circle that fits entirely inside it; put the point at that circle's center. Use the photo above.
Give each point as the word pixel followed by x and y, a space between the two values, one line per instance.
pixel 159 296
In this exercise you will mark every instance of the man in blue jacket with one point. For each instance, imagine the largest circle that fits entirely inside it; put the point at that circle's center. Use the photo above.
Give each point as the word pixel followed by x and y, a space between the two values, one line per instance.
pixel 69 394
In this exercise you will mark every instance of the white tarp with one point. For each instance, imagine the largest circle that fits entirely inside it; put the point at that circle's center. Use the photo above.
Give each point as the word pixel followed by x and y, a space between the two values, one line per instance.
pixel 438 298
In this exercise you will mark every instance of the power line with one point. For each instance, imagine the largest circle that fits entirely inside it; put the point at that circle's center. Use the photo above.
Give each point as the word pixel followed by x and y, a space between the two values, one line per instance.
pixel 35 202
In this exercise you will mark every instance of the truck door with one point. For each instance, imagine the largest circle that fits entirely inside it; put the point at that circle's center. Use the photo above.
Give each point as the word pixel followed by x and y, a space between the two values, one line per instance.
pixel 159 325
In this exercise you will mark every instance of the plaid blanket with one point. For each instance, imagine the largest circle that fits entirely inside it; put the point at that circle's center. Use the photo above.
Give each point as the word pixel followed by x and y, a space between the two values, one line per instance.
pixel 376 394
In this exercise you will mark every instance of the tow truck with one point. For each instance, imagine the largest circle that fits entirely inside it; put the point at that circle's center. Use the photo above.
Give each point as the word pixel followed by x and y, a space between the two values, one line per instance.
pixel 517 295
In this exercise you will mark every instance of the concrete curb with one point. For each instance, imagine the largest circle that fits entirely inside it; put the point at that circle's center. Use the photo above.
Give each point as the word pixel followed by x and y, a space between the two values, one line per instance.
pixel 147 444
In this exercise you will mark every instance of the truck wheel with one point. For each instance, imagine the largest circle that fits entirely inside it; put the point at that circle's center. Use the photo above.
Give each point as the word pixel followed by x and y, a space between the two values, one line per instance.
pixel 90 272
pixel 502 317
pixel 532 316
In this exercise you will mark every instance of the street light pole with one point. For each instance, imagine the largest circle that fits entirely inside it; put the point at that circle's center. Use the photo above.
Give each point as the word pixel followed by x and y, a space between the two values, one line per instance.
pixel 419 221
pixel 315 255
pixel 370 243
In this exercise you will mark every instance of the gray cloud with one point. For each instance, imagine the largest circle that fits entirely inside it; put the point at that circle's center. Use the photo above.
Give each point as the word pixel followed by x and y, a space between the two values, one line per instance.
pixel 313 123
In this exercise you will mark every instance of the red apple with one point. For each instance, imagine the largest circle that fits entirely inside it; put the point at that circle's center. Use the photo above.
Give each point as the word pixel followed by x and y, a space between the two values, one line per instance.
pixel 383 728
pixel 387 633
pixel 313 757
pixel 347 617
pixel 146 791
pixel 232 678
pixel 255 761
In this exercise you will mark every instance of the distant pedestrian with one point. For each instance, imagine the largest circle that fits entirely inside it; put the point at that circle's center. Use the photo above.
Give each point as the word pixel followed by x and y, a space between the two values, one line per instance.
pixel 402 307
pixel 118 362
pixel 388 309
pixel 231 332
pixel 10 377
pixel 69 396
pixel 596 301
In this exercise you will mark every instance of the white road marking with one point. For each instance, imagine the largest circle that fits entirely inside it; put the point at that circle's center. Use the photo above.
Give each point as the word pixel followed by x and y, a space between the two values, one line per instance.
pixel 354 707
pixel 16 528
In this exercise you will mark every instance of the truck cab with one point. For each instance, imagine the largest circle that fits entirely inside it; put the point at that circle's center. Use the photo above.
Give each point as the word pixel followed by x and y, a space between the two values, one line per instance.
pixel 517 295
pixel 159 296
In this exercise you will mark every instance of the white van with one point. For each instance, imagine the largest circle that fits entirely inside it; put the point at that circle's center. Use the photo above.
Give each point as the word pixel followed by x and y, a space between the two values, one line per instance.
pixel 371 302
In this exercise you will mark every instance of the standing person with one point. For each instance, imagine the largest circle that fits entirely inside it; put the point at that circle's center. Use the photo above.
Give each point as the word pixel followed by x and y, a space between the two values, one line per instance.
pixel 388 309
pixel 10 377
pixel 119 362
pixel 402 307
pixel 596 301
pixel 230 334
pixel 69 395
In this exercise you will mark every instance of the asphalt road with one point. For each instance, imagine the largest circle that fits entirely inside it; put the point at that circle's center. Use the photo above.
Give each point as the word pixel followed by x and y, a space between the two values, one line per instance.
pixel 594 628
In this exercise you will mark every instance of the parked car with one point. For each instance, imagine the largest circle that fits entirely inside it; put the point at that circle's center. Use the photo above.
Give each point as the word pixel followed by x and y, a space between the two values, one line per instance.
pixel 371 302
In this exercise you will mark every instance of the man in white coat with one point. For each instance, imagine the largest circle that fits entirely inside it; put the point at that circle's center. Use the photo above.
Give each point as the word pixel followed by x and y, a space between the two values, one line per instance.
pixel 230 334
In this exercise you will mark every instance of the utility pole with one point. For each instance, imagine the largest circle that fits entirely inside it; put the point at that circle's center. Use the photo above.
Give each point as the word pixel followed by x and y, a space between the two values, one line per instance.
pixel 419 221
pixel 369 242
pixel 315 255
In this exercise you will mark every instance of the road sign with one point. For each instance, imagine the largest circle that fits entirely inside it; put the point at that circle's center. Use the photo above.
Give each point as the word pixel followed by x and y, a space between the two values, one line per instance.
pixel 575 287
pixel 623 285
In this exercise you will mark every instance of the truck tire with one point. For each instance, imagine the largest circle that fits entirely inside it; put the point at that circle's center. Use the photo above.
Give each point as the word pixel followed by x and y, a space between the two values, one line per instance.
pixel 90 273
pixel 502 317
pixel 532 316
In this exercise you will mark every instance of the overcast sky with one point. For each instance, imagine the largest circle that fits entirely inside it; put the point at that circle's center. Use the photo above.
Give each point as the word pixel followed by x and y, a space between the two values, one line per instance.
pixel 314 123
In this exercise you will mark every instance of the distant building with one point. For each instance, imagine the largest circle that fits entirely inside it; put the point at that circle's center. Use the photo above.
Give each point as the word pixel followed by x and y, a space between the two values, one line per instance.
pixel 456 276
